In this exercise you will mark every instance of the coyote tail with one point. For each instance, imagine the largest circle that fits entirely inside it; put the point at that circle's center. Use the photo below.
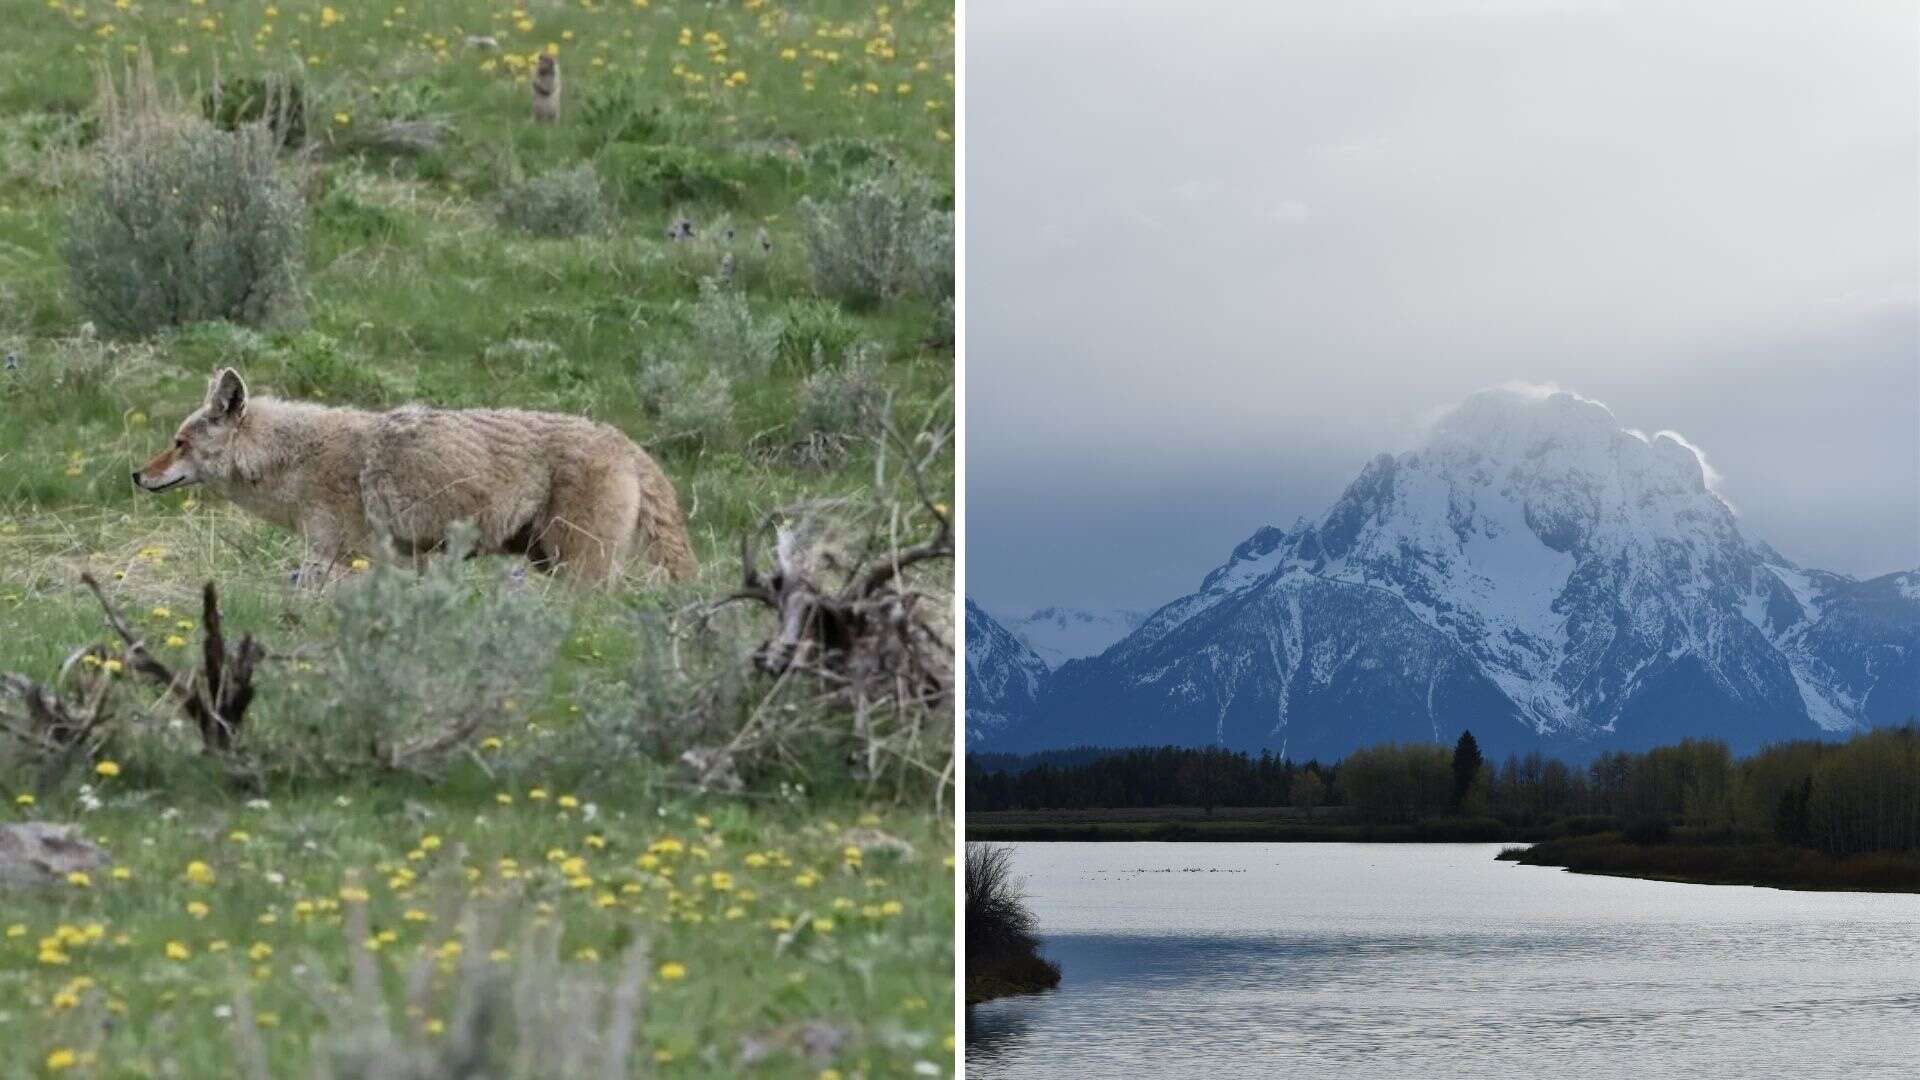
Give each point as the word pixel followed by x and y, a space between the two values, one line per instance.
pixel 662 529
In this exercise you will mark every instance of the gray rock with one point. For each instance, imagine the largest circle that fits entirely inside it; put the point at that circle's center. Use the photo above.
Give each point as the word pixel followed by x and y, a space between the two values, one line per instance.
pixel 39 853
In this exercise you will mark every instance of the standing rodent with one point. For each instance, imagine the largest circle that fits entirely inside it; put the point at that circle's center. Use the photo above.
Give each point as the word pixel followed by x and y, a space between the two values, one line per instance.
pixel 546 90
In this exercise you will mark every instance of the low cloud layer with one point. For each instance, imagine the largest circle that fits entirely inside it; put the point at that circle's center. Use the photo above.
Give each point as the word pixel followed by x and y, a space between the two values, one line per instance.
pixel 1219 255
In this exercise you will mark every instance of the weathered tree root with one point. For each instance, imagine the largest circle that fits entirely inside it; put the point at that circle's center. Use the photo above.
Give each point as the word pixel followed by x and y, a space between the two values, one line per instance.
pixel 215 695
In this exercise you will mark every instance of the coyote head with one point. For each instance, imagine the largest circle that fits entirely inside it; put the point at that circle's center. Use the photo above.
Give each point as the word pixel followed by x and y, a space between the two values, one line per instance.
pixel 202 447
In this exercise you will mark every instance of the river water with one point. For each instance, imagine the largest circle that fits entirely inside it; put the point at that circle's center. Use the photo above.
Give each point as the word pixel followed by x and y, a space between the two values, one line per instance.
pixel 1428 961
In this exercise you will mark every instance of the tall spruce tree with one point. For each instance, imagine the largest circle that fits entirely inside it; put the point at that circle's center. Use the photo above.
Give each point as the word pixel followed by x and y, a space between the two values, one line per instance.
pixel 1466 766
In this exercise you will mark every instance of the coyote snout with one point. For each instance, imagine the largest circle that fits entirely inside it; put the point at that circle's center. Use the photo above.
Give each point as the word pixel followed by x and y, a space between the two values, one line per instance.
pixel 572 495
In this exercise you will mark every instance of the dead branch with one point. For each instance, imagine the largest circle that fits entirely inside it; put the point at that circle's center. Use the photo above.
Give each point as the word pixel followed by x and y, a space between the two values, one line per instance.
pixel 855 632
pixel 216 695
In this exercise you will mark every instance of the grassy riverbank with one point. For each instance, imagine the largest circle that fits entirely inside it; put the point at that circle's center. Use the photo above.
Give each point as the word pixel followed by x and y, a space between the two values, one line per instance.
pixel 1725 862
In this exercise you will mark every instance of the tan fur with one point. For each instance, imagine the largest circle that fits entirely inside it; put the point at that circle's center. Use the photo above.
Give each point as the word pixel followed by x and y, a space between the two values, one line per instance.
pixel 569 493
pixel 546 90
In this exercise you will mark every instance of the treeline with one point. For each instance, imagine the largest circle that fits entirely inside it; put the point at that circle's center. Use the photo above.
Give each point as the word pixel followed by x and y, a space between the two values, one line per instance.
pixel 1082 778
pixel 1842 798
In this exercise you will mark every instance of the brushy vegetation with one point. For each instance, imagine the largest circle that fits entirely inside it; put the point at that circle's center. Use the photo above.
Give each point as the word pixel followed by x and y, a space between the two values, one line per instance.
pixel 563 202
pixel 182 222
pixel 881 236
pixel 589 772
pixel 1003 949
pixel 843 402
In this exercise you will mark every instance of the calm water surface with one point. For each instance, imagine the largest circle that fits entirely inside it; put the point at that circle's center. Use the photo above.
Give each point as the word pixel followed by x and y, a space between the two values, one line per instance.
pixel 1428 961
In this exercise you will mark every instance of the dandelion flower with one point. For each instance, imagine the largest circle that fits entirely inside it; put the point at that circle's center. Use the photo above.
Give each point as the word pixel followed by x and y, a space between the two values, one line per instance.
pixel 107 768
pixel 673 971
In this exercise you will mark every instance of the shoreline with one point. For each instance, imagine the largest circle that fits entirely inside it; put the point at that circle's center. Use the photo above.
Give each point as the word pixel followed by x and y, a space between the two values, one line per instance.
pixel 1759 865
pixel 1683 858
pixel 1187 829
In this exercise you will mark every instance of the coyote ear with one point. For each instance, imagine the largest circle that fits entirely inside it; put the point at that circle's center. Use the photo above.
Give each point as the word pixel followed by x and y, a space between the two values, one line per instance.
pixel 227 395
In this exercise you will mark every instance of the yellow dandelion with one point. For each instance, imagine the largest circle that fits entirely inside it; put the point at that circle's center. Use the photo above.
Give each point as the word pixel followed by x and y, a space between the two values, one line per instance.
pixel 673 971
pixel 199 873
pixel 177 951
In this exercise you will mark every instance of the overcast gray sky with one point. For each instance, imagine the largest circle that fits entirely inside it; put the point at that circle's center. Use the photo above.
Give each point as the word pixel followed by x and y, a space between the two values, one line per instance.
pixel 1219 254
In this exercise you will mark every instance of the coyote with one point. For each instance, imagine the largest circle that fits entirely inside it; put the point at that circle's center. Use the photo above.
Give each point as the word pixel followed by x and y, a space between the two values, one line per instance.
pixel 568 493
pixel 546 89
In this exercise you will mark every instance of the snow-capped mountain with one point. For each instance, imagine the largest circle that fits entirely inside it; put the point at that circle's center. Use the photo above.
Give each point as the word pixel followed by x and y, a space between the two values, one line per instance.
pixel 1060 634
pixel 1534 571
pixel 1004 678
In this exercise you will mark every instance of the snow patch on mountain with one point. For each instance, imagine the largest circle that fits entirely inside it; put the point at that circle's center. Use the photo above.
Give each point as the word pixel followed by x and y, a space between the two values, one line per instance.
pixel 1004 677
pixel 1060 634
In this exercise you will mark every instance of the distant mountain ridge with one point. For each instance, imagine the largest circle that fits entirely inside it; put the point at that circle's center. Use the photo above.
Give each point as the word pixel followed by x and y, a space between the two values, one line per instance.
pixel 1059 634
pixel 1004 678
pixel 1534 571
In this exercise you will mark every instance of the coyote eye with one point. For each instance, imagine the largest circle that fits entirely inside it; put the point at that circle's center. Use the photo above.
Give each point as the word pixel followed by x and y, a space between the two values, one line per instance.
pixel 179 444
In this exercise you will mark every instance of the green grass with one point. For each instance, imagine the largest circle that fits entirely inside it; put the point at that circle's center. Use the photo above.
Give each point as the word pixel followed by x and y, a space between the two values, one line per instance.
pixel 727 115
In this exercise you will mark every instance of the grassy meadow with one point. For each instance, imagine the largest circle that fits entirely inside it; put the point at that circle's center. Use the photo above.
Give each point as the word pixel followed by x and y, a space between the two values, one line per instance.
pixel 552 889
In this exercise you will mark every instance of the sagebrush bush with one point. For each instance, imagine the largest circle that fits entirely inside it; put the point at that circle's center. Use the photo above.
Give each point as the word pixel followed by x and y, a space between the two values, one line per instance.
pixel 930 253
pixel 942 332
pixel 668 704
pixel 419 666
pixel 728 335
pixel 881 237
pixel 688 403
pixel 563 202
pixel 843 402
pixel 186 223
